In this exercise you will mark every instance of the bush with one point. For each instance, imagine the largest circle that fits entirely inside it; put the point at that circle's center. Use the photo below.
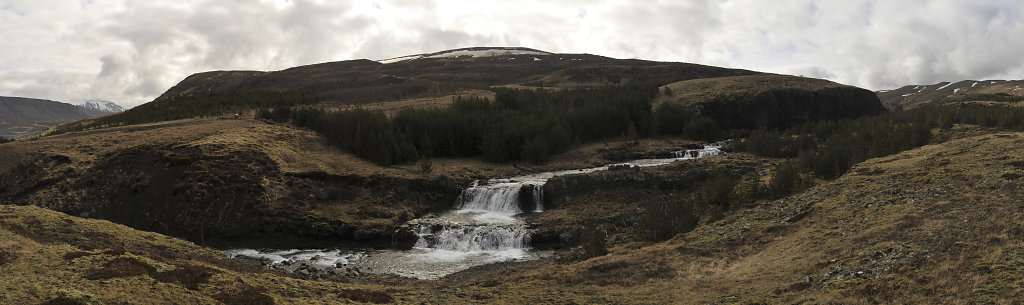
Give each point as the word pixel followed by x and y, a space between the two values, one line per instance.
pixel 719 191
pixel 663 219
pixel 593 241
pixel 748 189
pixel 787 180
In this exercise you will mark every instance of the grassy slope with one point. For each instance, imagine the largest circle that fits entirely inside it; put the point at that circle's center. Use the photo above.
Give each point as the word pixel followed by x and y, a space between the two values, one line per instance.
pixel 939 224
pixel 936 225
pixel 45 255
pixel 691 92
pixel 78 172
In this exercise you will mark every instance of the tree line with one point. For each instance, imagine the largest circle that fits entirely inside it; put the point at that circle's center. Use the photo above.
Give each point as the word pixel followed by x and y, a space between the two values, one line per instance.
pixel 825 149
pixel 828 149
pixel 519 124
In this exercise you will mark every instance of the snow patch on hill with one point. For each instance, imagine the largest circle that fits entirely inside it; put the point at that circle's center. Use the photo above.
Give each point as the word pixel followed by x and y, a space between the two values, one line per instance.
pixel 468 52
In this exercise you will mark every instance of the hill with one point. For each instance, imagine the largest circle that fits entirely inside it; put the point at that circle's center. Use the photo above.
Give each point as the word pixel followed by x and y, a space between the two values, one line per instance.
pixel 21 117
pixel 769 101
pixel 439 74
pixel 967 91
pixel 914 227
pixel 229 178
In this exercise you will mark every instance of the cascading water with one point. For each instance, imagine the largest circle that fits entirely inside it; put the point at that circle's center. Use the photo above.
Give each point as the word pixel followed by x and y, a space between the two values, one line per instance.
pixel 485 226
pixel 483 221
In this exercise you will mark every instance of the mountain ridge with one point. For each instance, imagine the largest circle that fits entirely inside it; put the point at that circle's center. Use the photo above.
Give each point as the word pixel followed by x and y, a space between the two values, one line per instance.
pixel 984 91
pixel 21 116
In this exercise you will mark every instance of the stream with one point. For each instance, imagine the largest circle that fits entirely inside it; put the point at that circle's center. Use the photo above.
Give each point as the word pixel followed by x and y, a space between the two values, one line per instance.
pixel 485 226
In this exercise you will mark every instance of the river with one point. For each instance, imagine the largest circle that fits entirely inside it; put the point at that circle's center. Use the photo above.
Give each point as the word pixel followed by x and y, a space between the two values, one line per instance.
pixel 485 226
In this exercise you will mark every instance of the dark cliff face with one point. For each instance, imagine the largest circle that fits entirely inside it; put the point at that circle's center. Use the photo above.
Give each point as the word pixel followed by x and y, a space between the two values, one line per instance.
pixel 771 101
pixel 196 193
pixel 781 108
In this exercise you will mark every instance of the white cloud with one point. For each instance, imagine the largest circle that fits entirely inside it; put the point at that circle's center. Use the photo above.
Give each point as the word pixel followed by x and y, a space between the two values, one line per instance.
pixel 131 51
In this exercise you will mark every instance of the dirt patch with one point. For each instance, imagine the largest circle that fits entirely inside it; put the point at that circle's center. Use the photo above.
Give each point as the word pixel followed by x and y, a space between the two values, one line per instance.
pixel 366 296
pixel 62 301
pixel 1012 176
pixel 7 256
pixel 120 267
pixel 242 294
pixel 76 254
pixel 189 276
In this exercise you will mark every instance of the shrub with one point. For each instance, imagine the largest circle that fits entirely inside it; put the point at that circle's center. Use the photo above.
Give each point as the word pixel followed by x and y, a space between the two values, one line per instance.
pixel 719 191
pixel 593 241
pixel 663 219
pixel 787 180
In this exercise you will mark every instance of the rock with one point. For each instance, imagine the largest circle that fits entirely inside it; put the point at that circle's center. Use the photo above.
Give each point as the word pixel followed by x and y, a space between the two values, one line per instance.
pixel 239 279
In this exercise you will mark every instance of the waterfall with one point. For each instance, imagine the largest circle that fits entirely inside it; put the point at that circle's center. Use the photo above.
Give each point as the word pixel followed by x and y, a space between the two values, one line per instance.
pixel 505 198
pixel 485 226
pixel 474 238
pixel 708 150
pixel 483 219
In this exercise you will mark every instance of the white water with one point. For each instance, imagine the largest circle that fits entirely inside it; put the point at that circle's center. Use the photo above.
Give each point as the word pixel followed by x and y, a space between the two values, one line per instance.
pixel 485 227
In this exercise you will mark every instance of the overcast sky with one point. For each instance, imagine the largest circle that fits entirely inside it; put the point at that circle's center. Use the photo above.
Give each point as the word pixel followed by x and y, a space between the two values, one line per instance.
pixel 132 51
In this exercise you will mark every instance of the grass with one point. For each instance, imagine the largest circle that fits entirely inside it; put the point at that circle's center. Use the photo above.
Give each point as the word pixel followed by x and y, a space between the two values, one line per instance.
pixel 940 224
pixel 911 228
pixel 123 265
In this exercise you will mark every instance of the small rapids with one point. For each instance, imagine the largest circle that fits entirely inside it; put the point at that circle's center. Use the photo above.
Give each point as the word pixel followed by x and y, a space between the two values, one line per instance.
pixel 485 226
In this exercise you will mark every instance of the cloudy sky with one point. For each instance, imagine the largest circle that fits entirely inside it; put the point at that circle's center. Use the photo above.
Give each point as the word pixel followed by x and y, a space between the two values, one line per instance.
pixel 132 51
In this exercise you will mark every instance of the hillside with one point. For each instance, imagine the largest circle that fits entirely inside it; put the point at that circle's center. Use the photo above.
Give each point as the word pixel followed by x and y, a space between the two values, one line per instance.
pixel 21 117
pixel 218 180
pixel 230 178
pixel 369 158
pixel 423 76
pixel 914 227
pixel 770 101
pixel 967 91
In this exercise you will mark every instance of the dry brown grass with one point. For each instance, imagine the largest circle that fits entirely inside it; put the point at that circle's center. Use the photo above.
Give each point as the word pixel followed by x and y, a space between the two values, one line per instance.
pixel 153 269
pixel 392 107
pixel 692 91
pixel 241 294
pixel 120 267
pixel 914 228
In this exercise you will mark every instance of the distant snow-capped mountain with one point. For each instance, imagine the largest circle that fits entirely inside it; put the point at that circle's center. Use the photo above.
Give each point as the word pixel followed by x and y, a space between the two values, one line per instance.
pixel 102 106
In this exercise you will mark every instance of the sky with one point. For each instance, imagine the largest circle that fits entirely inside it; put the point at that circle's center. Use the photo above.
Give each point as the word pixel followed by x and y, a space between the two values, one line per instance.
pixel 131 51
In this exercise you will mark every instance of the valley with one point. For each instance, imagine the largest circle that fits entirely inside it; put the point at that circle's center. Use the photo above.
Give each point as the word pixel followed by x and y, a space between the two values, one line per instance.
pixel 514 176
